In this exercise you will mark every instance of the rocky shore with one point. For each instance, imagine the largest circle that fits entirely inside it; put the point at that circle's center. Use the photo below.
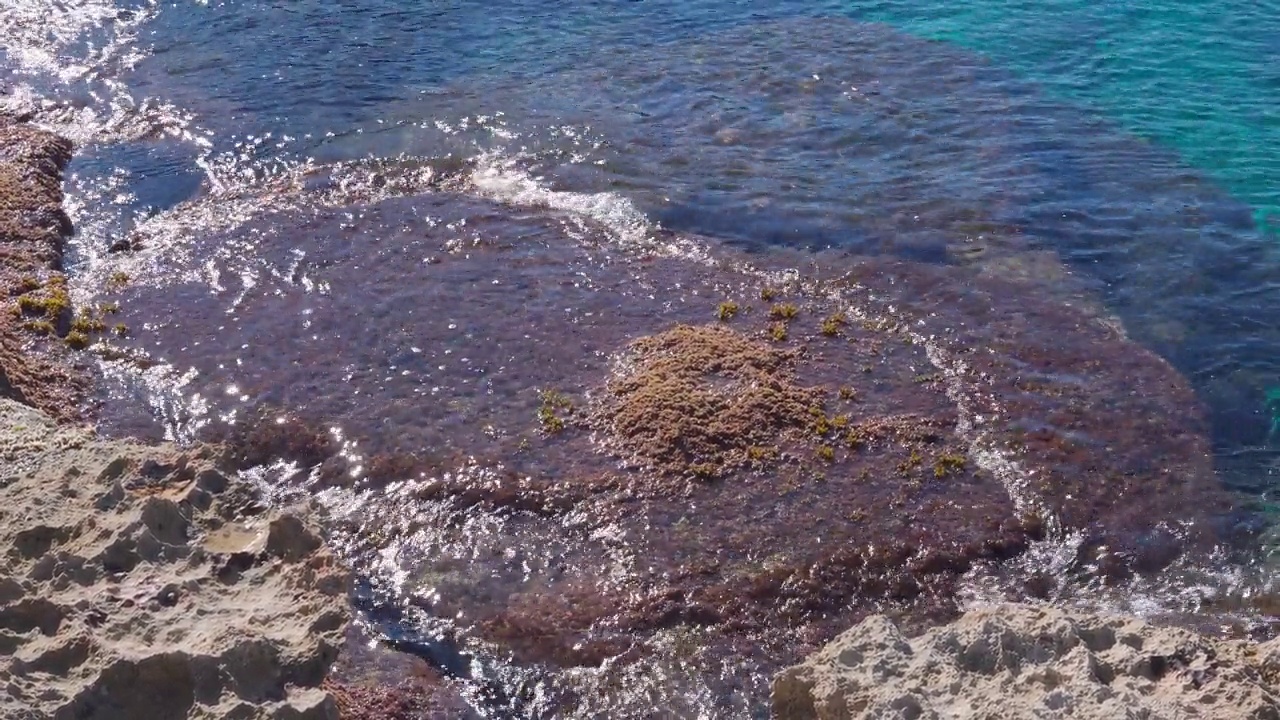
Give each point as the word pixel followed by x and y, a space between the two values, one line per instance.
pixel 32 228
pixel 146 582
pixel 138 581
pixel 1023 661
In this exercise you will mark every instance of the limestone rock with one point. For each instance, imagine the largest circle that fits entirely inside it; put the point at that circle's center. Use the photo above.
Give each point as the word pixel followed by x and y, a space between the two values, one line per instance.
pixel 1022 661
pixel 141 582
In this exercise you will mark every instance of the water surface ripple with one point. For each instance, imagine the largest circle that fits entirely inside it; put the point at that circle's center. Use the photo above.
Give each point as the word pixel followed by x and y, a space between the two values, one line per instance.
pixel 1030 252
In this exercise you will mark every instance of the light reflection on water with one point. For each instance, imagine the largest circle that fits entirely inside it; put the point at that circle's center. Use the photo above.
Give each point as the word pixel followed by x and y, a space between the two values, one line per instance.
pixel 301 282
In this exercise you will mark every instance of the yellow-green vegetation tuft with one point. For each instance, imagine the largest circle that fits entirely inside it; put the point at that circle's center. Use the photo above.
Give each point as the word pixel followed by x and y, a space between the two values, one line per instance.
pixel 911 463
pixel 85 322
pixel 847 393
pixel 767 294
pixel 784 311
pixel 855 439
pixel 823 423
pixel 27 283
pixel 703 471
pixel 778 331
pixel 726 310
pixel 118 280
pixel 826 453
pixel 832 324
pixel 120 329
pixel 39 327
pixel 948 464
pixel 55 301
pixel 820 425
pixel 77 340
pixel 556 399
pixel 110 308
pixel 553 403
pixel 549 420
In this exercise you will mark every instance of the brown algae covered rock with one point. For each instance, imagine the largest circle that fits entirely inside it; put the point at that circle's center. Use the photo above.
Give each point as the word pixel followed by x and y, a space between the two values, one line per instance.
pixel 1094 432
pixel 31 216
pixel 142 582
pixel 372 682
pixel 705 400
pixel 32 288
pixel 617 471
pixel 1025 661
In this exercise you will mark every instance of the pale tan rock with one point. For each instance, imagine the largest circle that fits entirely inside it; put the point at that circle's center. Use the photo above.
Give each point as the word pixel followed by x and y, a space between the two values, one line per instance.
pixel 143 583
pixel 1024 661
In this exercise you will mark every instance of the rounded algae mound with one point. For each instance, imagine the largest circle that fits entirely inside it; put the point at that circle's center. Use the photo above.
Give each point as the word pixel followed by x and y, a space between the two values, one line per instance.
pixel 705 400
pixel 142 582
pixel 1021 661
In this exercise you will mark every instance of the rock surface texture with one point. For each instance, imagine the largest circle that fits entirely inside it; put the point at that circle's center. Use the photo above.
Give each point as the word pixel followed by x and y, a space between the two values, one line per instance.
pixel 142 582
pixel 1020 661
pixel 32 228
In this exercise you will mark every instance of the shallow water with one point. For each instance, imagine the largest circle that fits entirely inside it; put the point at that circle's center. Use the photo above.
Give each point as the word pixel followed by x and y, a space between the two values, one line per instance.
pixel 402 224
pixel 428 329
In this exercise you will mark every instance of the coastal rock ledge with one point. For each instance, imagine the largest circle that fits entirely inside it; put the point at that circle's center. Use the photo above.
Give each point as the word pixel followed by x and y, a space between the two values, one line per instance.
pixel 142 582
pixel 1024 661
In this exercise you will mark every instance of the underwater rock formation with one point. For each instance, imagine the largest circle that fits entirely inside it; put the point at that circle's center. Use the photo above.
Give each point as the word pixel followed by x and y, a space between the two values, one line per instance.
pixel 623 466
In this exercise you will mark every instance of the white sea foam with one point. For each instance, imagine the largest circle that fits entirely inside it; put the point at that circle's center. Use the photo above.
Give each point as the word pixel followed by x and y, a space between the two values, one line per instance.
pixel 500 178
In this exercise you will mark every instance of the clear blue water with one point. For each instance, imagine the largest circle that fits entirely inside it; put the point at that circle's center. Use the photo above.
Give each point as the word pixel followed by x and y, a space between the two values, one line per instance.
pixel 1198 78
pixel 1137 141
pixel 1136 144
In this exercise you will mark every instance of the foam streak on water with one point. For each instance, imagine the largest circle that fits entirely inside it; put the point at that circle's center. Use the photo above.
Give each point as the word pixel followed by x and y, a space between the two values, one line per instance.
pixel 501 179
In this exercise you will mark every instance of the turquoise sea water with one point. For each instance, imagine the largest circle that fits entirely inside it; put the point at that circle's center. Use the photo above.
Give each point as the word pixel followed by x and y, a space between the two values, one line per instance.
pixel 1202 78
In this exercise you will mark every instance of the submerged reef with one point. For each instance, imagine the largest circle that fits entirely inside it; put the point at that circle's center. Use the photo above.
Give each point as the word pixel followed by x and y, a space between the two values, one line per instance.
pixel 606 473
